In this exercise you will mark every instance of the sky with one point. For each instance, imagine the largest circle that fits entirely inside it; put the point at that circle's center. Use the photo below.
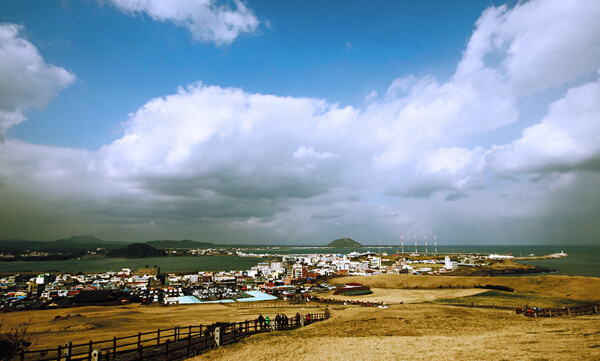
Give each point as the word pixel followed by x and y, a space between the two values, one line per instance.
pixel 299 122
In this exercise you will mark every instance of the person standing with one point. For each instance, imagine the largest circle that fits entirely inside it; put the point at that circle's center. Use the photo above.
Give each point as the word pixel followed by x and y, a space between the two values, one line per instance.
pixel 261 321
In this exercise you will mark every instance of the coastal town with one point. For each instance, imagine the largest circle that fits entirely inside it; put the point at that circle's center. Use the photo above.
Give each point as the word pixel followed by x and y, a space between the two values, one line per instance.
pixel 283 276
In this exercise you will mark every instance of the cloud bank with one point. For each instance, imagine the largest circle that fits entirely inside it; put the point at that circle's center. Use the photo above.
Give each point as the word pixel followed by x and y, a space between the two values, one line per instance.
pixel 223 164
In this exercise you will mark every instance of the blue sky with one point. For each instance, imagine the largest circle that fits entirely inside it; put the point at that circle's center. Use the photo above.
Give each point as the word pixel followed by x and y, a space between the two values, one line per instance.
pixel 333 50
pixel 300 121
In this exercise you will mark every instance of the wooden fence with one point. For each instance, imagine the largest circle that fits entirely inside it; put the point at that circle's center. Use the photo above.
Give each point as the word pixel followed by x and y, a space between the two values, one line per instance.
pixel 263 304
pixel 176 343
pixel 532 311
pixel 478 305
pixel 332 301
pixel 555 312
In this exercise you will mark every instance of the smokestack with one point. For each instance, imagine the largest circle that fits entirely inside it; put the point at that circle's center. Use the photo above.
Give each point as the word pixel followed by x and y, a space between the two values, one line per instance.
pixel 416 250
pixel 402 242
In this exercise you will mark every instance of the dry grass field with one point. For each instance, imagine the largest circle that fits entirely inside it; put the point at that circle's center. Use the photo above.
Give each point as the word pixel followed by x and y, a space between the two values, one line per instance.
pixel 573 287
pixel 409 331
pixel 422 332
pixel 101 323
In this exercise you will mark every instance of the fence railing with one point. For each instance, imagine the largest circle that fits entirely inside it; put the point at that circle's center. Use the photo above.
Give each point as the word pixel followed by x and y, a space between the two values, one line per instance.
pixel 333 301
pixel 554 312
pixel 478 305
pixel 532 311
pixel 263 304
pixel 175 343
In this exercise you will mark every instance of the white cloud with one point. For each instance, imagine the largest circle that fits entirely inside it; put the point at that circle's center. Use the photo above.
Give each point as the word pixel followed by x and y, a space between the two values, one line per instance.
pixel 25 79
pixel 452 160
pixel 567 138
pixel 304 152
pixel 371 96
pixel 227 142
pixel 207 20
pixel 539 43
pixel 428 115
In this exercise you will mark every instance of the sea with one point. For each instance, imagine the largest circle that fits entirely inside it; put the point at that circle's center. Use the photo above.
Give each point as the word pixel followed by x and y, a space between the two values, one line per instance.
pixel 582 260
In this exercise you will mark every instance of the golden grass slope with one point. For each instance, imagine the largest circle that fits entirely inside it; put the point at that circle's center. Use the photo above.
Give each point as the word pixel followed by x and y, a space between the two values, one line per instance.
pixel 578 288
pixel 101 323
pixel 423 332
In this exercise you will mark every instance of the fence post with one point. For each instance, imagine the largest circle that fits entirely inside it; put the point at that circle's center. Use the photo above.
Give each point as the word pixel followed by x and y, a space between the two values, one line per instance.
pixel 190 331
pixel 218 336
pixel 234 332
pixel 65 355
pixel 167 350
pixel 141 352
pixel 189 339
pixel 158 336
pixel 90 350
pixel 139 339
pixel 59 352
pixel 115 347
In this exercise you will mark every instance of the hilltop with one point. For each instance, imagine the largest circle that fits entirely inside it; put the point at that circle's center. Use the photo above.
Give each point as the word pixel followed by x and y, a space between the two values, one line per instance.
pixel 89 243
pixel 136 250
pixel 82 242
pixel 74 243
pixel 185 243
pixel 344 243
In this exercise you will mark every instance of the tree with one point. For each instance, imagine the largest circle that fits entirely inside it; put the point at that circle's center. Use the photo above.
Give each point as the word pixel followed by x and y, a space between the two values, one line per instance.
pixel 15 341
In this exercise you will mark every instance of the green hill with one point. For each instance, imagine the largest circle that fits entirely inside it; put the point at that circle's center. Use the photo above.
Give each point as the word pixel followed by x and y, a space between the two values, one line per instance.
pixel 136 250
pixel 185 243
pixel 344 243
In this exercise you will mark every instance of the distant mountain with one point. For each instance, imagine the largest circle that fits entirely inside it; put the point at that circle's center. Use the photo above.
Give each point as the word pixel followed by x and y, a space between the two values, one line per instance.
pixel 136 250
pixel 86 242
pixel 186 243
pixel 344 243
pixel 71 244
pixel 79 240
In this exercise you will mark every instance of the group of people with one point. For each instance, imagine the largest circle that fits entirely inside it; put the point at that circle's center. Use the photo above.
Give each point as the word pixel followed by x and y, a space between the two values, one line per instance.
pixel 280 322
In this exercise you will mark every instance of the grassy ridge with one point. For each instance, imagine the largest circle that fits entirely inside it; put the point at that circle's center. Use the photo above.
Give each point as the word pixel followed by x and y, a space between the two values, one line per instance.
pixel 570 287
pixel 516 299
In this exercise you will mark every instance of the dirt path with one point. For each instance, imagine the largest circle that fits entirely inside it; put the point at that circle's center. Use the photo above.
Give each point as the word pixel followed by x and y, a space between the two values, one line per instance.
pixel 406 296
